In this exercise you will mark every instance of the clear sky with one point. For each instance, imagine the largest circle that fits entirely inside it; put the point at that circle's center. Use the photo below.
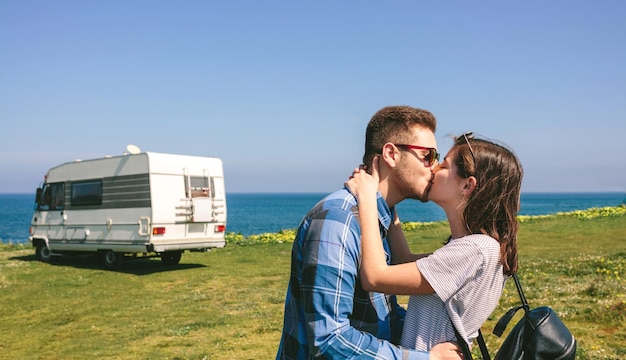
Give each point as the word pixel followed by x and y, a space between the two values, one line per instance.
pixel 282 90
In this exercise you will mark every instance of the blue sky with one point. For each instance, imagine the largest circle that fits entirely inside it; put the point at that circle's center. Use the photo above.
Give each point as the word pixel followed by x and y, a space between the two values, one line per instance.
pixel 282 90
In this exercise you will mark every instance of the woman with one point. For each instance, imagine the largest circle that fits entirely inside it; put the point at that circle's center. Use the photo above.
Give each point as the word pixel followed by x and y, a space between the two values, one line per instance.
pixel 478 186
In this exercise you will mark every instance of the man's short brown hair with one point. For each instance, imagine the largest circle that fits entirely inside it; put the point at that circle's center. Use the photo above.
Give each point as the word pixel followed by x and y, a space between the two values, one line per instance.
pixel 394 124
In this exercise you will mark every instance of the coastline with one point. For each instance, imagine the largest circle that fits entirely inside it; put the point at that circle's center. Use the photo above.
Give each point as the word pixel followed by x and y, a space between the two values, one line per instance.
pixel 255 214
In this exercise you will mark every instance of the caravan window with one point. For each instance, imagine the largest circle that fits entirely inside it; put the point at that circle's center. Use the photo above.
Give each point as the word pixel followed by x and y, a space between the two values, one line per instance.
pixel 87 193
pixel 199 186
pixel 53 197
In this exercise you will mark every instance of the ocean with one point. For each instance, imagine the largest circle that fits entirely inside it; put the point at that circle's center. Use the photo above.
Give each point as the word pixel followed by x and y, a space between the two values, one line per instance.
pixel 257 213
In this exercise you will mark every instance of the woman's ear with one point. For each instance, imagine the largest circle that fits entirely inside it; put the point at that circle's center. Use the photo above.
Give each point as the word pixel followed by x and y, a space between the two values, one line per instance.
pixel 470 185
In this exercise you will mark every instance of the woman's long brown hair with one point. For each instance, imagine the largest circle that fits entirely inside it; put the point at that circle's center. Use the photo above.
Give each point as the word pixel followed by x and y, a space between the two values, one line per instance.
pixel 492 207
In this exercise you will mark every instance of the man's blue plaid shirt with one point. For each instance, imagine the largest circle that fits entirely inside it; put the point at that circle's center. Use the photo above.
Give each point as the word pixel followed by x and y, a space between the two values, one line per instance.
pixel 328 315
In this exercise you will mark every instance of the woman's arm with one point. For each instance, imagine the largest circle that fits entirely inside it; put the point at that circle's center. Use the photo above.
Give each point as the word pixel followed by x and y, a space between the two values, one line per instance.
pixel 400 251
pixel 376 275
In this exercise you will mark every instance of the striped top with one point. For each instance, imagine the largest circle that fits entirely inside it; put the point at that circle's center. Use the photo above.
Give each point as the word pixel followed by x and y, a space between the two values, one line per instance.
pixel 468 280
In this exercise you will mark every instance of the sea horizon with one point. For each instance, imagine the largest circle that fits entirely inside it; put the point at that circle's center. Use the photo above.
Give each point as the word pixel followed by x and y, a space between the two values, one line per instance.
pixel 322 192
pixel 252 213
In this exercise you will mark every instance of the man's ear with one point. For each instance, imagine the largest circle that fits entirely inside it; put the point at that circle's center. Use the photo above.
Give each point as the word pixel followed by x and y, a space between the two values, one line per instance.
pixel 389 155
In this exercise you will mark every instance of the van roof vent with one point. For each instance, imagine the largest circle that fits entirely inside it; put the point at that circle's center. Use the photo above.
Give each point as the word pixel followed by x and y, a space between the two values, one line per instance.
pixel 132 149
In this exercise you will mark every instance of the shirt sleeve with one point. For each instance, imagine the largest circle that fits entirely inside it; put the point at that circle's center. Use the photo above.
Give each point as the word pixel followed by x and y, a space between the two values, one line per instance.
pixel 451 267
pixel 328 284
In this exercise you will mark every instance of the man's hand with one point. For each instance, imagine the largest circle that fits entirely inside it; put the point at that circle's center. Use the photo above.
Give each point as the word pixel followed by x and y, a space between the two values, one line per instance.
pixel 446 351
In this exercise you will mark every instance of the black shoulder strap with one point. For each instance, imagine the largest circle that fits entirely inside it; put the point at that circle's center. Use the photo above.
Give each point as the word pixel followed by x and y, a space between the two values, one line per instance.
pixel 518 285
pixel 506 318
pixel 467 354
pixel 483 346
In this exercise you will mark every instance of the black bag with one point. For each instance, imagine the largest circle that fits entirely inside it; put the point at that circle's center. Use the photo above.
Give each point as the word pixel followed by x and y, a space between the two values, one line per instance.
pixel 539 335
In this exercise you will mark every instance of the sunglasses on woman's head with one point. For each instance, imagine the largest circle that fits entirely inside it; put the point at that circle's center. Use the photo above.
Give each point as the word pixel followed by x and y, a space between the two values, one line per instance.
pixel 467 136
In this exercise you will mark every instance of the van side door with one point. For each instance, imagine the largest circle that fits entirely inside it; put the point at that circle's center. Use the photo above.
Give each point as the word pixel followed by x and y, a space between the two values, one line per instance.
pixel 51 210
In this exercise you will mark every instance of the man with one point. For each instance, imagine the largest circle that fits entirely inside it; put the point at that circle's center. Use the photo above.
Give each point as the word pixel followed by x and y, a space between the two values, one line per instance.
pixel 328 315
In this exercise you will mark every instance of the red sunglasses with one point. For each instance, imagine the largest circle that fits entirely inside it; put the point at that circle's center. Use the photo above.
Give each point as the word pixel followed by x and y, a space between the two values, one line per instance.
pixel 430 159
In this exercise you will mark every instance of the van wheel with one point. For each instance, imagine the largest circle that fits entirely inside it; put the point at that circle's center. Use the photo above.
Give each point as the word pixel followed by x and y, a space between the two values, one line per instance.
pixel 112 260
pixel 43 252
pixel 171 257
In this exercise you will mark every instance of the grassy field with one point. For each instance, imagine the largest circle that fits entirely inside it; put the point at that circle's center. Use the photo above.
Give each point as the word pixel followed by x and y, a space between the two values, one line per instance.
pixel 228 303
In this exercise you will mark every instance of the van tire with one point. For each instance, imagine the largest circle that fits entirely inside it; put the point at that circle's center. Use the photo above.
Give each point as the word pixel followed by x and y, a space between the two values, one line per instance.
pixel 43 253
pixel 112 260
pixel 171 257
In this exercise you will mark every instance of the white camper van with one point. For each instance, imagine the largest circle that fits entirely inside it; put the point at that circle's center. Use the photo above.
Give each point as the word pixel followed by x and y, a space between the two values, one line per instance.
pixel 137 204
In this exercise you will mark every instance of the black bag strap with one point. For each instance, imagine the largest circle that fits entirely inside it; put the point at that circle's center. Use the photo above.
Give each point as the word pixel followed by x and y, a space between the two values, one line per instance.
pixel 506 318
pixel 522 297
pixel 467 354
pixel 483 346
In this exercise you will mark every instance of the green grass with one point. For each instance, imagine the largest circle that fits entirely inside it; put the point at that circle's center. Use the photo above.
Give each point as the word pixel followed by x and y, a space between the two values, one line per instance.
pixel 228 303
